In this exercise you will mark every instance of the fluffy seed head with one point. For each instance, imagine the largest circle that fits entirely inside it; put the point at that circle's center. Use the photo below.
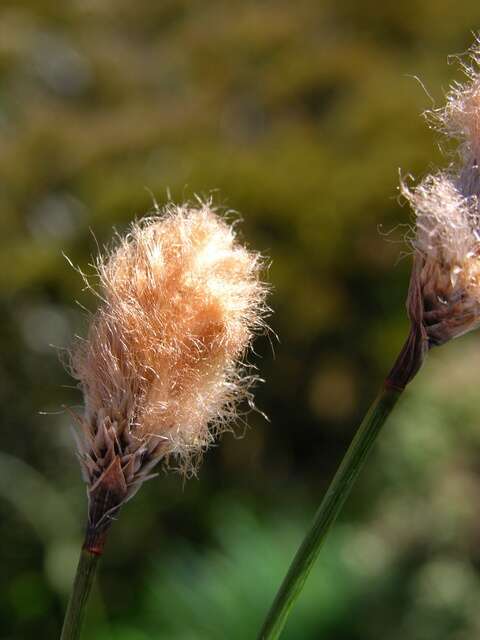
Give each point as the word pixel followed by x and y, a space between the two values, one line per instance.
pixel 447 257
pixel 444 295
pixel 162 366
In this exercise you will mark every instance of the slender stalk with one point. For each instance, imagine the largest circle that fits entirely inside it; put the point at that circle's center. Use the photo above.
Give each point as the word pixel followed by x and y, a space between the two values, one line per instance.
pixel 82 585
pixel 329 509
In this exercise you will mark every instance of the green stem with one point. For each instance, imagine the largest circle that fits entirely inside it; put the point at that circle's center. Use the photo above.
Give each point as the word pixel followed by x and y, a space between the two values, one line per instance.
pixel 329 509
pixel 82 585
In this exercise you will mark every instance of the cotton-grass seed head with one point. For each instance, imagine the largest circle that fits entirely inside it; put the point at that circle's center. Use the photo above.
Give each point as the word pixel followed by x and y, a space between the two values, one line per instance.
pixel 444 295
pixel 163 366
pixel 447 259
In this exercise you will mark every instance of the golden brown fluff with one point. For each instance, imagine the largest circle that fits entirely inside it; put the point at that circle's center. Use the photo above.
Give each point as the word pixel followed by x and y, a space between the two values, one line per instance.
pixel 162 368
pixel 444 295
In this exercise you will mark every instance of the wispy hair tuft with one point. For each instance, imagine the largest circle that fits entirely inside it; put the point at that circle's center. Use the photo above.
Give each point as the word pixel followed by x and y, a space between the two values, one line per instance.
pixel 163 366
pixel 444 295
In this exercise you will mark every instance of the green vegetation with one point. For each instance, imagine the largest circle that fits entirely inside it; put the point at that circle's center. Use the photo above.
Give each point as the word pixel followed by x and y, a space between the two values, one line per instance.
pixel 300 115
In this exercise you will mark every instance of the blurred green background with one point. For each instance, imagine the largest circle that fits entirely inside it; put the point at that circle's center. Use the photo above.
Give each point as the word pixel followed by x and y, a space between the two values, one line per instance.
pixel 298 115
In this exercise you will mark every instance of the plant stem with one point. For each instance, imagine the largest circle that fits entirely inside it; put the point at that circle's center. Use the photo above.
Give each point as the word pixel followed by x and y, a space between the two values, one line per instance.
pixel 329 509
pixel 82 585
